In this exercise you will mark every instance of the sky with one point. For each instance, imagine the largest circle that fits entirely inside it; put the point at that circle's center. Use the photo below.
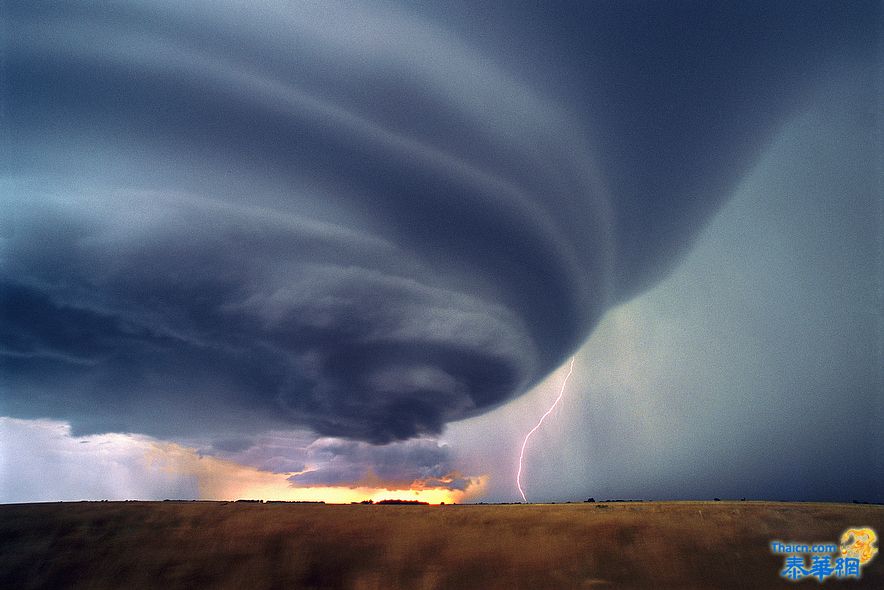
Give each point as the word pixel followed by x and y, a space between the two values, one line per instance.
pixel 345 251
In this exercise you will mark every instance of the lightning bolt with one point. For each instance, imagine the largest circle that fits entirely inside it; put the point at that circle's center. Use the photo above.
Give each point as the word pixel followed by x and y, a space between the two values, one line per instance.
pixel 536 426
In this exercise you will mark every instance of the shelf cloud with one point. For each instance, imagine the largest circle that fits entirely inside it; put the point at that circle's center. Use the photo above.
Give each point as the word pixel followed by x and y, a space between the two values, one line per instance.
pixel 369 220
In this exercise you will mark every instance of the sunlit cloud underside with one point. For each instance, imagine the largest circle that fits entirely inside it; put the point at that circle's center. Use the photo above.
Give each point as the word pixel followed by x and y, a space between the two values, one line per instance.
pixel 128 466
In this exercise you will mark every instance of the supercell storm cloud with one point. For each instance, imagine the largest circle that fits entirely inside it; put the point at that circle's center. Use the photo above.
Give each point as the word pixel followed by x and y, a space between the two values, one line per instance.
pixel 369 220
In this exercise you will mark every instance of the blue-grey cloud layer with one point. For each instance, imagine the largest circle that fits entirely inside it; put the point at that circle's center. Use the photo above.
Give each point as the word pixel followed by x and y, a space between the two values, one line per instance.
pixel 370 220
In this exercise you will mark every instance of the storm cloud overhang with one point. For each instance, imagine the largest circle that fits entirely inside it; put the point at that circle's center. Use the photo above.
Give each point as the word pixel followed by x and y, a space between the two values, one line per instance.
pixel 241 217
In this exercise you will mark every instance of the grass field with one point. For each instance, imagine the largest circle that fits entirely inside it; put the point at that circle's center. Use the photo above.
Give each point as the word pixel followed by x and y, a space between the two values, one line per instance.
pixel 237 545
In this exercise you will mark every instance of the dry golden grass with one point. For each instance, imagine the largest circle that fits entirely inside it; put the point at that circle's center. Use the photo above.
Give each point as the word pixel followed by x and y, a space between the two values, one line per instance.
pixel 225 545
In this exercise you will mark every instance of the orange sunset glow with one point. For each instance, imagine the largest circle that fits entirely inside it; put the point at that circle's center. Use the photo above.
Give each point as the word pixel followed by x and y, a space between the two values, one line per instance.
pixel 220 479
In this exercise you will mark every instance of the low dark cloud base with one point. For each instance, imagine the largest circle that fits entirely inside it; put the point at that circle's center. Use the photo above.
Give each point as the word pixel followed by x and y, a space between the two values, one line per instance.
pixel 220 219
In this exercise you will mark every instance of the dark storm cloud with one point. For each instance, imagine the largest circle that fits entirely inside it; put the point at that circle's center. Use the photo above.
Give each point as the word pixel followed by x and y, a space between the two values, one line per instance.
pixel 324 461
pixel 416 462
pixel 181 301
pixel 366 220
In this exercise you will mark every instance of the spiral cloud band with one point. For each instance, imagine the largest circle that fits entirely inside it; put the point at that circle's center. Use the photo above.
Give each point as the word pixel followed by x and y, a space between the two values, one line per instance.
pixel 369 220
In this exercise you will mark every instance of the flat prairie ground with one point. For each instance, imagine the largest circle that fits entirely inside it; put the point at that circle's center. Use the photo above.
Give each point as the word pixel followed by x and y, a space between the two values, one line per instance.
pixel 656 545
